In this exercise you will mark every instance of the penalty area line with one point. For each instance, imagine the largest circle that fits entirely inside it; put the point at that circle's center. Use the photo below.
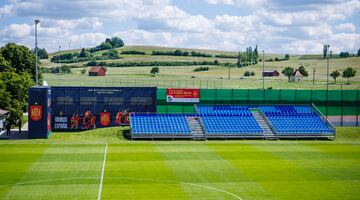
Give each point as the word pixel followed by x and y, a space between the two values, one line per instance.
pixel 102 172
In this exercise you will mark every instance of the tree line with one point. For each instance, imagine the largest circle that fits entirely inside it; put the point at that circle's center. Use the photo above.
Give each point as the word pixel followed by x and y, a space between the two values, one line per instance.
pixel 84 55
pixel 348 73
pixel 109 43
pixel 153 63
pixel 247 57
pixel 343 54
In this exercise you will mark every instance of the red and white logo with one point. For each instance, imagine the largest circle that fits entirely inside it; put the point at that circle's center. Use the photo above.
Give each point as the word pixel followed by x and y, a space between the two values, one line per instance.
pixel 36 112
pixel 105 118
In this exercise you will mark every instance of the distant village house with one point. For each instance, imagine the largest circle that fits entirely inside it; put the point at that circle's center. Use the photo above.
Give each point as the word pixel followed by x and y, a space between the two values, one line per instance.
pixel 97 71
pixel 271 73
pixel 296 77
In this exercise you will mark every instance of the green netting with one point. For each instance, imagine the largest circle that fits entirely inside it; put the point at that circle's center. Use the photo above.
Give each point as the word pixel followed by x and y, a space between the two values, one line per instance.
pixel 161 94
pixel 224 96
pixel 303 96
pixel 240 96
pixel 175 109
pixel 256 96
pixel 189 109
pixel 207 95
pixel 272 96
pixel 161 108
pixel 287 96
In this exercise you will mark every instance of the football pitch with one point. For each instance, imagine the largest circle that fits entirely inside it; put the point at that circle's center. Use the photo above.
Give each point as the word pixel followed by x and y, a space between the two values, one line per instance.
pixel 100 164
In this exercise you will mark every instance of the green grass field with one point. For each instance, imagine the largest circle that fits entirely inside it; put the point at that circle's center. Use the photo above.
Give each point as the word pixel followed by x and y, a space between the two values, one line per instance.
pixel 69 166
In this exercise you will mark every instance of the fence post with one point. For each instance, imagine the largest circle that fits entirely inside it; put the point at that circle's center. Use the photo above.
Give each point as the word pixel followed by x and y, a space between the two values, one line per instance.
pixel 342 108
pixel 357 108
pixel 327 99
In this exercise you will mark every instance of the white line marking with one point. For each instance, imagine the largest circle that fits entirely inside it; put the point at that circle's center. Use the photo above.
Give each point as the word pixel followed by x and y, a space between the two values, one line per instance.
pixel 102 173
pixel 126 178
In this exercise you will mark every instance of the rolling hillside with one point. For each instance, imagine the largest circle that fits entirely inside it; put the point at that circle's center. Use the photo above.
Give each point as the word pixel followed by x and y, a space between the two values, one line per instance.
pixel 217 75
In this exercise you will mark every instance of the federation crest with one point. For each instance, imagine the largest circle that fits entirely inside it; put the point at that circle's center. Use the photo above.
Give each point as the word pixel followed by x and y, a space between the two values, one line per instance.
pixel 105 118
pixel 36 112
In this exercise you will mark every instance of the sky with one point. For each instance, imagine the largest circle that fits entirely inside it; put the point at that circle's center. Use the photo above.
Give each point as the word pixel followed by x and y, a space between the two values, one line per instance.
pixel 276 26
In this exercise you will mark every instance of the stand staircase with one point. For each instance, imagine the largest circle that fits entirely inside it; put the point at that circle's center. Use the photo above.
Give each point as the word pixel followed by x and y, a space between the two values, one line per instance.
pixel 264 124
pixel 197 130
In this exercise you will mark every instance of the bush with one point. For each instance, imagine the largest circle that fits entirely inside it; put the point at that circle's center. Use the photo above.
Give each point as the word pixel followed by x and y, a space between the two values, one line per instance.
pixel 95 63
pixel 177 52
pixel 198 54
pixel 65 69
pixel 133 52
pixel 201 69
pixel 83 71
pixel 45 70
pixel 111 54
pixel 154 63
pixel 252 73
pixel 226 56
pixel 247 73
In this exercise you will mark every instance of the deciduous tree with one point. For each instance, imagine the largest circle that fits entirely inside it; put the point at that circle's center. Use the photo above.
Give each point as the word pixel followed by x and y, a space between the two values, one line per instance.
pixel 288 71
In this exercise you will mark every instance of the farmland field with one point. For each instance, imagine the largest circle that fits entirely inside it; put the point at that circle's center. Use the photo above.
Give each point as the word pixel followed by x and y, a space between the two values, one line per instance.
pixel 215 77
pixel 70 166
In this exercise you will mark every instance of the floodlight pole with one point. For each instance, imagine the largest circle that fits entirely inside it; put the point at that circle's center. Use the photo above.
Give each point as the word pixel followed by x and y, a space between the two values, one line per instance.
pixel 327 67
pixel 327 77
pixel 59 64
pixel 36 54
pixel 229 72
pixel 263 69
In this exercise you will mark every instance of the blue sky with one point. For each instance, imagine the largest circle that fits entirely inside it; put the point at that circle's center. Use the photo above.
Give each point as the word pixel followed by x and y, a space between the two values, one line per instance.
pixel 278 26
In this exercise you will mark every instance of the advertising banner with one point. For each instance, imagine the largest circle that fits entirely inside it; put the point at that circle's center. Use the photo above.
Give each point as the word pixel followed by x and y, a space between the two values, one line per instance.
pixel 94 107
pixel 182 95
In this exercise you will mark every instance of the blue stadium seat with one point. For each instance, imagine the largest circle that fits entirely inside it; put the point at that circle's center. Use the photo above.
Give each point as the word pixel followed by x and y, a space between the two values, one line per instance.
pixel 295 120
pixel 229 120
pixel 159 124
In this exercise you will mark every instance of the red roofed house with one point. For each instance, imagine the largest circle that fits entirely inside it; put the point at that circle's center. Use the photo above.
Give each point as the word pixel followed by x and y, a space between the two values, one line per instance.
pixel 271 73
pixel 296 77
pixel 97 71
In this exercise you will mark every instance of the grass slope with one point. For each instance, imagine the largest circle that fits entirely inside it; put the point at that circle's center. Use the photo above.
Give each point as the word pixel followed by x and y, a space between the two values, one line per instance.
pixel 68 166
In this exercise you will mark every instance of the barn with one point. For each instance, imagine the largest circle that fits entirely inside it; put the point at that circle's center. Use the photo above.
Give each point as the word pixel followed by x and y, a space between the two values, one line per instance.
pixel 271 73
pixel 97 71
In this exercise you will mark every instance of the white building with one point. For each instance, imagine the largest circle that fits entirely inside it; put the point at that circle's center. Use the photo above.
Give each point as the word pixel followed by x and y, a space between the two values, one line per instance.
pixel 3 116
pixel 296 77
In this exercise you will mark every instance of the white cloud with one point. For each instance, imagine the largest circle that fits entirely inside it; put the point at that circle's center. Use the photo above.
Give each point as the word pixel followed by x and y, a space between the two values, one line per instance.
pixel 347 27
pixel 6 10
pixel 238 2
pixel 82 23
pixel 318 31
pixel 274 27
pixel 16 31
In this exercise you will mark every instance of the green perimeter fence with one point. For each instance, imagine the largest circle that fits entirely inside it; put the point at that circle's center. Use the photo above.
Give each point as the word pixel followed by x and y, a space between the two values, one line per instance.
pixel 342 106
